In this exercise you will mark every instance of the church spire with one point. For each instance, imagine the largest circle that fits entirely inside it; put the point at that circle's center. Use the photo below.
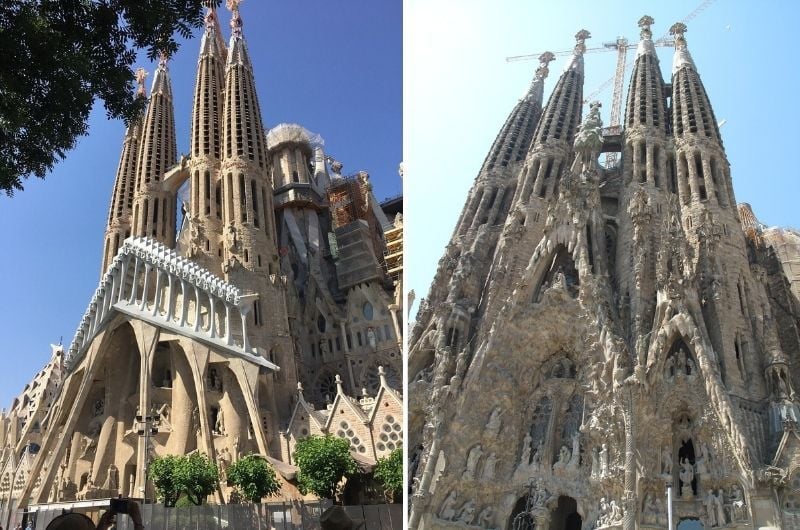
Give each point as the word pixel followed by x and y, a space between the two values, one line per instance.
pixel 246 187
pixel 509 147
pixel 154 208
pixel 119 222
pixel 552 141
pixel 703 171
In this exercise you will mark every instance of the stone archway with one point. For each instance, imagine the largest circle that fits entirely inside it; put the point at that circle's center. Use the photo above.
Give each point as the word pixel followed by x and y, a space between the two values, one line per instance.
pixel 690 523
pixel 566 516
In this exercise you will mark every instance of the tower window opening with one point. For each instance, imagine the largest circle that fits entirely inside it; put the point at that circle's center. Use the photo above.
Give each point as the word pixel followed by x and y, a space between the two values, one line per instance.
pixel 643 161
pixel 242 198
pixel 656 165
pixel 295 177
pixel 208 193
pixel 701 182
pixel 254 199
pixel 246 256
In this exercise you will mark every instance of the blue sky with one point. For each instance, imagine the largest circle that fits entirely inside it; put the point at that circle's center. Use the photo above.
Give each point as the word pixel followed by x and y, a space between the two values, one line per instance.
pixel 458 90
pixel 333 67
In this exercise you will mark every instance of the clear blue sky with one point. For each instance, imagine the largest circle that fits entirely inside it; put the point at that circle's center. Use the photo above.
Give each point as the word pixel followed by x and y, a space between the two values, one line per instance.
pixel 458 90
pixel 333 67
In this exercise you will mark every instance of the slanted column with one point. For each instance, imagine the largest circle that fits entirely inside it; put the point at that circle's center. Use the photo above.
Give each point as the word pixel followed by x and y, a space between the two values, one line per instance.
pixel 122 277
pixel 196 309
pixel 245 339
pixel 711 188
pixel 170 297
pixel 135 282
pixel 498 200
pixel 157 296
pixel 343 332
pixel 184 304
pixel 212 324
pixel 228 340
pixel 144 286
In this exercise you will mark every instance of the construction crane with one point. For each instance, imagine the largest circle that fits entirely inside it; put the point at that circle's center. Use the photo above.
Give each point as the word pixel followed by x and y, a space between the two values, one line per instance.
pixel 621 45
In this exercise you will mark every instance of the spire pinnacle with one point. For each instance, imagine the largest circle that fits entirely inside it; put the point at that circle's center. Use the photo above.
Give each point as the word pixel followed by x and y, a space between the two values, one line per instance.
pixel 682 57
pixel 544 61
pixel 162 61
pixel 211 17
pixel 644 23
pixel 236 19
pixel 677 30
pixel 141 75
pixel 580 38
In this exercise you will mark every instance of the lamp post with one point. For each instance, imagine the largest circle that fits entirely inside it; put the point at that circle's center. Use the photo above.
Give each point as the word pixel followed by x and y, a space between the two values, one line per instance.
pixel 147 426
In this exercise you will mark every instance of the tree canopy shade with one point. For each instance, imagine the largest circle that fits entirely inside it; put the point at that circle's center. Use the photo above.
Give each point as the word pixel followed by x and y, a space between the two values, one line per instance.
pixel 193 475
pixel 59 55
pixel 323 462
pixel 389 471
pixel 254 478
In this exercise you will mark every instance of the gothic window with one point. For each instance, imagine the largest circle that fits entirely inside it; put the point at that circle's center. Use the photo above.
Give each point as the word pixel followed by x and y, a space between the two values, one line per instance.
pixel 562 274
pixel 367 311
pixel 326 388
pixel 701 181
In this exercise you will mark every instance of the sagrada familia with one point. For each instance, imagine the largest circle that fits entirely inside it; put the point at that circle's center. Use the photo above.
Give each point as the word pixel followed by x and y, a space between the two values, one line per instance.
pixel 608 347
pixel 267 310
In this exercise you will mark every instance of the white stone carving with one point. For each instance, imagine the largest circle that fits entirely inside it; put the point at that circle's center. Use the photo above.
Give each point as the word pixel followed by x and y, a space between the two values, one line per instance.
pixel 489 467
pixel 472 461
pixel 448 510
pixel 494 423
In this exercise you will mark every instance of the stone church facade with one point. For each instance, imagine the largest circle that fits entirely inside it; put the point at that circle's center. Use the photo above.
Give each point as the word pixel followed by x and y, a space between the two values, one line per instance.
pixel 198 337
pixel 596 335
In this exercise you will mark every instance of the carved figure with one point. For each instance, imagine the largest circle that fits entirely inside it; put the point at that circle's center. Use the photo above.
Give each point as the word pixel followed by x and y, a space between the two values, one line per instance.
pixel 537 455
pixel 588 141
pixel 604 460
pixel 112 482
pixel 231 238
pixel 219 423
pixel 236 449
pixel 372 340
pixel 702 461
pixel 494 423
pixel 615 514
pixel 666 461
pixel 595 462
pixel 686 476
pixel 526 450
pixel 489 467
pixel 650 510
pixel 709 503
pixel 737 504
pixel 447 511
pixel 484 519
pixel 467 512
pixel 563 460
pixel 472 461
pixel 719 505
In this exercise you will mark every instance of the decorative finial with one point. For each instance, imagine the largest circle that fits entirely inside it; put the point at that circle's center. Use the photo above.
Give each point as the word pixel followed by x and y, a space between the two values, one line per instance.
pixel 337 380
pixel 544 61
pixel 645 22
pixel 162 61
pixel 677 30
pixel 580 37
pixel 141 75
pixel 236 19
pixel 211 16
pixel 382 375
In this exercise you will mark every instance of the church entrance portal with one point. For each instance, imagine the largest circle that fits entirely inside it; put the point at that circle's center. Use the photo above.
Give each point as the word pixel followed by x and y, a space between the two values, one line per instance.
pixel 566 516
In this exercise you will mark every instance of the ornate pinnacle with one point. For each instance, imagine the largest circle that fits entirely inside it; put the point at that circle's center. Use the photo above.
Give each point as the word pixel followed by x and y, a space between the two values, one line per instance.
pixel 544 61
pixel 236 19
pixel 645 22
pixel 141 75
pixel 162 61
pixel 678 29
pixel 211 16
pixel 580 37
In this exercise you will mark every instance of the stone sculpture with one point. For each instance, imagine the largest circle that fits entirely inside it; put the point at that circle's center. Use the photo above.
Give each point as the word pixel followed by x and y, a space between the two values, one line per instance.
pixel 472 461
pixel 448 510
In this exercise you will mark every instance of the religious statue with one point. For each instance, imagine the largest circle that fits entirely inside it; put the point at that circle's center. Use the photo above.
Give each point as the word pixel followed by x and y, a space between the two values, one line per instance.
pixel 447 512
pixel 526 450
pixel 489 467
pixel 604 460
pixel 737 504
pixel 472 461
pixel 588 142
pixel 595 463
pixel 484 519
pixel 666 461
pixel 686 476
pixel 493 425
pixel 719 505
pixel 711 514
pixel 563 459
pixel 372 339
pixel 467 512
pixel 219 424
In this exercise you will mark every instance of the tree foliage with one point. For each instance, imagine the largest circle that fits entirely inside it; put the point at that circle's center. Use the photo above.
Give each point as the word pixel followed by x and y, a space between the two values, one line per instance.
pixel 59 55
pixel 389 471
pixel 323 462
pixel 195 476
pixel 254 478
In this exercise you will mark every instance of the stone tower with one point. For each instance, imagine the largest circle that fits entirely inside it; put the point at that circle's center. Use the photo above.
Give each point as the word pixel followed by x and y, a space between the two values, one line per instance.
pixel 618 336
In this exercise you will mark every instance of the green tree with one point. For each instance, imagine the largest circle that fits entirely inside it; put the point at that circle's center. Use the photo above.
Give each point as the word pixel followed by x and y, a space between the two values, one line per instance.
pixel 59 56
pixel 162 472
pixel 194 476
pixel 197 477
pixel 254 478
pixel 323 462
pixel 389 472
